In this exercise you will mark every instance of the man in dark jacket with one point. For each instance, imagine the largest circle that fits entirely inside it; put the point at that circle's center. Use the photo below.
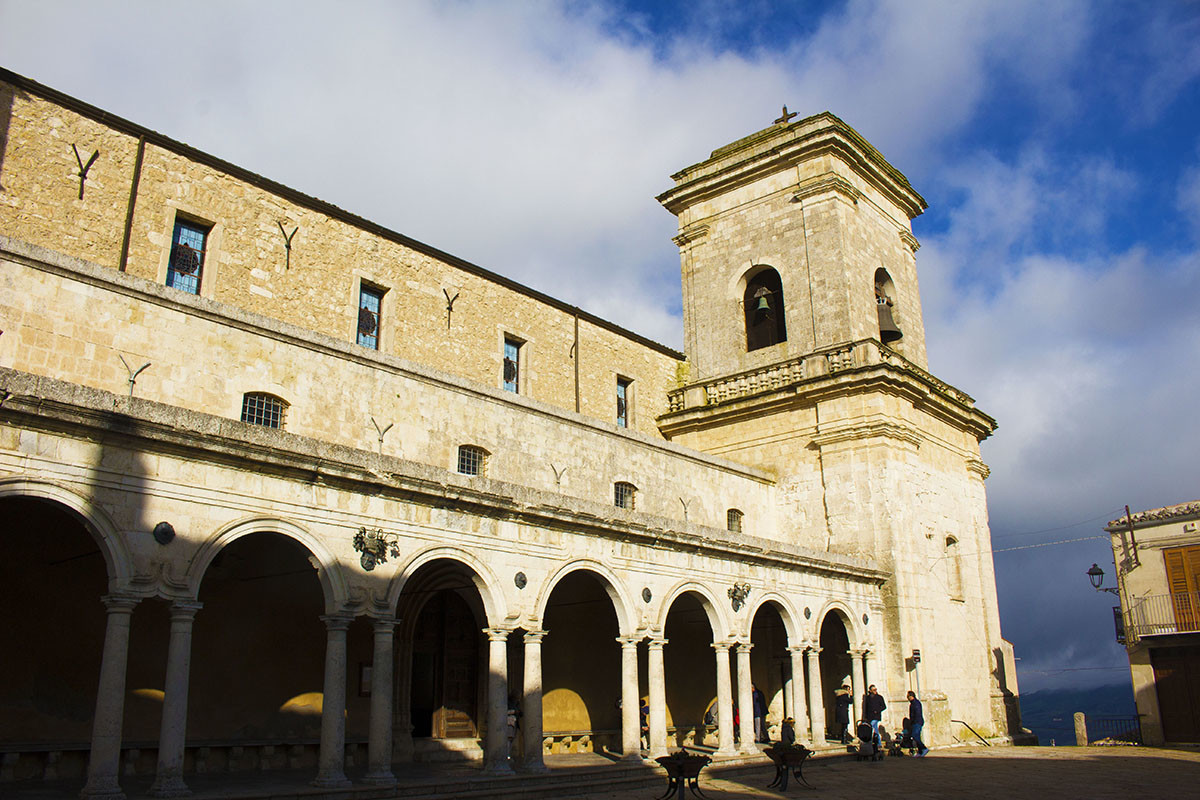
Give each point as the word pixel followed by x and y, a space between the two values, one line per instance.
pixel 873 706
pixel 916 720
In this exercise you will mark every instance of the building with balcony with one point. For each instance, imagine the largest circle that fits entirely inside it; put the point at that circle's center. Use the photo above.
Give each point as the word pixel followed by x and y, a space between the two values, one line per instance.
pixel 283 488
pixel 1157 557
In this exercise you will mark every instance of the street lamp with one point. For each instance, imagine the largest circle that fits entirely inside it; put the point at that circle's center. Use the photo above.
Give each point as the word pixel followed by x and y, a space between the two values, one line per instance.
pixel 1096 576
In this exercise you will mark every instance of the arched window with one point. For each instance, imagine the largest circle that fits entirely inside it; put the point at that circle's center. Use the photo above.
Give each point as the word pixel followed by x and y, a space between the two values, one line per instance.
pixel 954 577
pixel 260 408
pixel 733 520
pixel 885 304
pixel 763 303
pixel 624 494
pixel 472 460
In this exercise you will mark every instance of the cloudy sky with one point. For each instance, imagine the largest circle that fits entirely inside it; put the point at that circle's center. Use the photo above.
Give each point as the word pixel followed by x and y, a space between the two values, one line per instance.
pixel 1057 142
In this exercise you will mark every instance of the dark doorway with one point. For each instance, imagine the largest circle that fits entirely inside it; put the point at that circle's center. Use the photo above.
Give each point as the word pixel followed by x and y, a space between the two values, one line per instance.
pixel 1177 681
pixel 835 667
pixel 445 669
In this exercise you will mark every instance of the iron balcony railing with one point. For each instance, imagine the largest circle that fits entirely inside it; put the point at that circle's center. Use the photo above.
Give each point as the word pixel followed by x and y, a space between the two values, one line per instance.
pixel 1162 614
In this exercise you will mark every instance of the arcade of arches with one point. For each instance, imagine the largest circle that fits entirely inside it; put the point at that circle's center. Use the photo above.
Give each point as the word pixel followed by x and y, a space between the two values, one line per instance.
pixel 255 659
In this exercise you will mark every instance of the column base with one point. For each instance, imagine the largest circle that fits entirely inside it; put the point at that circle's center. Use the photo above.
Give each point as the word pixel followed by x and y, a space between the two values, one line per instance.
pixel 102 789
pixel 336 781
pixel 170 787
pixel 380 778
pixel 637 756
pixel 503 768
pixel 727 751
pixel 538 766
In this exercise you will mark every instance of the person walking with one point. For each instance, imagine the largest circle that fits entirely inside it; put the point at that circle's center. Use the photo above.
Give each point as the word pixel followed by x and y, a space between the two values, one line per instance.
pixel 841 713
pixel 916 721
pixel 873 707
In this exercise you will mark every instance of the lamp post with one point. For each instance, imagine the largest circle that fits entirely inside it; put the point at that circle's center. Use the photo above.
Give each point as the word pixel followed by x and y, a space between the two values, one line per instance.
pixel 1096 576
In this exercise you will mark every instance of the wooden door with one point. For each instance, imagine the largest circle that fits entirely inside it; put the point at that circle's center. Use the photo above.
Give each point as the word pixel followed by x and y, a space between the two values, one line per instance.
pixel 1177 682
pixel 460 662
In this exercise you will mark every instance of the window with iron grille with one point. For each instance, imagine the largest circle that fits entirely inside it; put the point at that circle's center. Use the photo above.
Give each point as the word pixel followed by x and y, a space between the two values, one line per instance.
pixel 472 460
pixel 623 385
pixel 733 520
pixel 512 365
pixel 370 304
pixel 623 494
pixel 186 263
pixel 259 408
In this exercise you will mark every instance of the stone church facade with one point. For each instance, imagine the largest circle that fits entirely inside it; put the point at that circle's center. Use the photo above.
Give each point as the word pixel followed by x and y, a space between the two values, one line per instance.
pixel 282 488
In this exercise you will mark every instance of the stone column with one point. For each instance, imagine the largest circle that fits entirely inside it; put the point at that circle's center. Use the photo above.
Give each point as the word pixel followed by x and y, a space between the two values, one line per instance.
pixel 532 702
pixel 331 760
pixel 110 703
pixel 789 695
pixel 495 749
pixel 873 674
pixel 658 698
pixel 172 737
pixel 631 722
pixel 816 703
pixel 745 698
pixel 799 696
pixel 725 745
pixel 858 688
pixel 379 741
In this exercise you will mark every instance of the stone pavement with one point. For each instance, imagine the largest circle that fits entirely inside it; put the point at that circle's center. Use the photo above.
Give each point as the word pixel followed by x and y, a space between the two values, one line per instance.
pixel 1003 773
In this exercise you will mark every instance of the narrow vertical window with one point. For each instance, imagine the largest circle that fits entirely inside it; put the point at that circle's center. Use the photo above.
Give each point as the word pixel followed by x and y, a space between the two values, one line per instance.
pixel 512 365
pixel 370 303
pixel 623 402
pixel 733 520
pixel 186 264
pixel 623 494
pixel 954 576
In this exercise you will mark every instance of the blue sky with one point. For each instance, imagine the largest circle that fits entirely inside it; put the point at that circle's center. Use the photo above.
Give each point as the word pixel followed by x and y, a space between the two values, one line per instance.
pixel 1057 142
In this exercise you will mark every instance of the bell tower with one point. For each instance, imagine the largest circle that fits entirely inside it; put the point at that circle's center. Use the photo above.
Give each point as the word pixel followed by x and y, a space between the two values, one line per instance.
pixel 795 239
pixel 806 359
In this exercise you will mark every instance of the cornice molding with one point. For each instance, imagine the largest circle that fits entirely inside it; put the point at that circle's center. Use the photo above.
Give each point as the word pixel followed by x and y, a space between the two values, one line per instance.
pixel 977 467
pixel 910 241
pixel 827 184
pixel 691 235
pixel 869 430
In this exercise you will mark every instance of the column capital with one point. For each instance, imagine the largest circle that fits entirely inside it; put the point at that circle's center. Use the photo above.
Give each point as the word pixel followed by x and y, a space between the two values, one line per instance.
pixel 336 622
pixel 857 652
pixel 120 603
pixel 185 609
pixel 381 624
pixel 744 647
pixel 656 642
pixel 722 646
pixel 813 651
pixel 796 648
pixel 497 634
pixel 629 641
pixel 535 637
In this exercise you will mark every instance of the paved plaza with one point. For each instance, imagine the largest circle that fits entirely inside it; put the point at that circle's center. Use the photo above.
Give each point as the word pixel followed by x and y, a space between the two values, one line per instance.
pixel 1004 773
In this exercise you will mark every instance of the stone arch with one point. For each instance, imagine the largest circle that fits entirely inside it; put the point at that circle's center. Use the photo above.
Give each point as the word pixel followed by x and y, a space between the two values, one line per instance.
pixel 486 582
pixel 845 615
pixel 788 614
pixel 329 570
pixel 763 306
pixel 721 626
pixel 887 307
pixel 118 561
pixel 612 584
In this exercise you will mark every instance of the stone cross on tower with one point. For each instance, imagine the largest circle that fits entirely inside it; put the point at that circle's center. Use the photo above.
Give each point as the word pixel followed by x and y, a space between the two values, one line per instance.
pixel 786 117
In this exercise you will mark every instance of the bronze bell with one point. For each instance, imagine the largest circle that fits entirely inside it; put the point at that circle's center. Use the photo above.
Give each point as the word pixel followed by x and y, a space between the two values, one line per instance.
pixel 762 304
pixel 888 332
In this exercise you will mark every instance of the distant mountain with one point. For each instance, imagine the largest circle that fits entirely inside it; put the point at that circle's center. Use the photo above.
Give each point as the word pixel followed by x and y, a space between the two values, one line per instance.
pixel 1051 713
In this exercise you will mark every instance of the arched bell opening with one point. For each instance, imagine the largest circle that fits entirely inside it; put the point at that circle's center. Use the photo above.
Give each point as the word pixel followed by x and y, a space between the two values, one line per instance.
pixel 442 669
pixel 690 669
pixel 54 632
pixel 258 651
pixel 581 663
pixel 770 665
pixel 762 302
pixel 835 668
pixel 885 306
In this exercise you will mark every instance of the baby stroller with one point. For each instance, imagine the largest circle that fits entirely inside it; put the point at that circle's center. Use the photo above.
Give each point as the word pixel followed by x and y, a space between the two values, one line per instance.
pixel 868 743
pixel 903 742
